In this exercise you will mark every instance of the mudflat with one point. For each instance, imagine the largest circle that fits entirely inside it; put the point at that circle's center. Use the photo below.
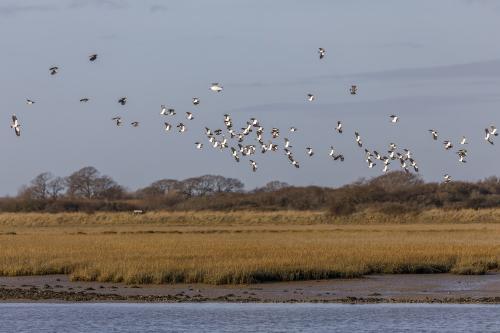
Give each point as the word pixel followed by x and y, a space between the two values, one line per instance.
pixel 391 288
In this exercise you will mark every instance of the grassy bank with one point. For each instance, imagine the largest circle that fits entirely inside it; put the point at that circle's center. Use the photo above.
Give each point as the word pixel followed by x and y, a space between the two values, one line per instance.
pixel 220 248
pixel 244 218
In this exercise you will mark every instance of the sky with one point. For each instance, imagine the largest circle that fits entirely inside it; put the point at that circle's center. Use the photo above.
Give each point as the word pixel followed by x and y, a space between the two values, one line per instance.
pixel 436 64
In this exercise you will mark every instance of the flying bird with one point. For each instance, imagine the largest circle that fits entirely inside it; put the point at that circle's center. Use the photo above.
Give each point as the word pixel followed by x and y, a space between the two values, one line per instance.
pixel 216 87
pixel 16 125
pixel 118 120
pixel 287 143
pixel 413 163
pixel 30 102
pixel 254 165
pixel 235 155
pixel 493 130
pixel 167 127
pixel 339 127
pixel 368 154
pixel 93 57
pixel 84 100
pixel 309 151
pixel 321 52
pixel 122 101
pixel 181 127
pixel 196 101
pixel 53 70
pixel 370 163
pixel 353 90
pixel 434 134
pixel 189 116
pixel 448 145
pixel 340 156
pixel 447 178
pixel 166 111
pixel 335 156
pixel 293 129
pixel 404 164
pixel 407 154
pixel 488 136
pixel 490 133
pixel 394 119
pixel 463 141
pixel 134 124
pixel 310 97
pixel 223 143
pixel 462 154
pixel 198 145
pixel 358 139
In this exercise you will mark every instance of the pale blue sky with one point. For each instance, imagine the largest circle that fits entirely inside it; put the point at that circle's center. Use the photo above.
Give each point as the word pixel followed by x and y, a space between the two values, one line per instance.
pixel 434 63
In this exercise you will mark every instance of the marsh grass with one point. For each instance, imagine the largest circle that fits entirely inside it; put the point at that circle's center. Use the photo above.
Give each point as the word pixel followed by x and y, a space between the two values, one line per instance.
pixel 234 248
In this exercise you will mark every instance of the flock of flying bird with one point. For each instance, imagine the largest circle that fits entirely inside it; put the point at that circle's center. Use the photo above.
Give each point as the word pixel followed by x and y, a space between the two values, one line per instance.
pixel 217 138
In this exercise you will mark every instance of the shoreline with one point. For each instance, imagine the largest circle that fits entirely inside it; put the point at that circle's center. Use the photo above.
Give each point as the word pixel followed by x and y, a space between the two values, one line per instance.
pixel 407 288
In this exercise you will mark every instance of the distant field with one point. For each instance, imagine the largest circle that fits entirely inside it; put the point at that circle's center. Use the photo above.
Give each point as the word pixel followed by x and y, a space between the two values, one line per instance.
pixel 220 248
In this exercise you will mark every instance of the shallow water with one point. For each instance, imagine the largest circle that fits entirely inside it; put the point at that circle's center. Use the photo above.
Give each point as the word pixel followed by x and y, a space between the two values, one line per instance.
pixel 217 317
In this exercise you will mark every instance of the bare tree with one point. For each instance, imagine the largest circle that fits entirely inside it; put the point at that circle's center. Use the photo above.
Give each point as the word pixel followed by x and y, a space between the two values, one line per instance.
pixel 165 185
pixel 55 187
pixel 272 186
pixel 106 188
pixel 223 184
pixel 159 188
pixel 189 187
pixel 490 185
pixel 88 183
pixel 24 192
pixel 81 183
pixel 209 184
pixel 39 189
pixel 396 180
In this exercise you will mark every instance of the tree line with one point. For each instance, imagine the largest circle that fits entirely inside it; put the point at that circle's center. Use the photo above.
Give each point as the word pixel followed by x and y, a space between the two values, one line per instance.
pixel 393 193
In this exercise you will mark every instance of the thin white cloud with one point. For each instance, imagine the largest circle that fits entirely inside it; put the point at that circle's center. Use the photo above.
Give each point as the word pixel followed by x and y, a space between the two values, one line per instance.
pixel 14 9
pixel 491 4
pixel 157 8
pixel 488 69
pixel 412 45
pixel 110 4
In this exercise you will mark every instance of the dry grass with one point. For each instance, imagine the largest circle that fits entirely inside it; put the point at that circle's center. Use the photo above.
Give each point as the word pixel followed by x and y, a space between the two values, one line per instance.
pixel 203 218
pixel 220 248
pixel 246 218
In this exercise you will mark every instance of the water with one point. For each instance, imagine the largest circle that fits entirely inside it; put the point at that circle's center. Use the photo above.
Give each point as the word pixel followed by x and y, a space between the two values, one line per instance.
pixel 188 317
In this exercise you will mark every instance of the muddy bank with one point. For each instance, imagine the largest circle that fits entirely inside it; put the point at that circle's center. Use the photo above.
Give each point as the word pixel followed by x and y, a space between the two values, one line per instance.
pixel 430 288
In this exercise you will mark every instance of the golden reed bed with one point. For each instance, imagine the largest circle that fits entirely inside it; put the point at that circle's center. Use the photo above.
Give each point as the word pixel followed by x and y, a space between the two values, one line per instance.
pixel 229 248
